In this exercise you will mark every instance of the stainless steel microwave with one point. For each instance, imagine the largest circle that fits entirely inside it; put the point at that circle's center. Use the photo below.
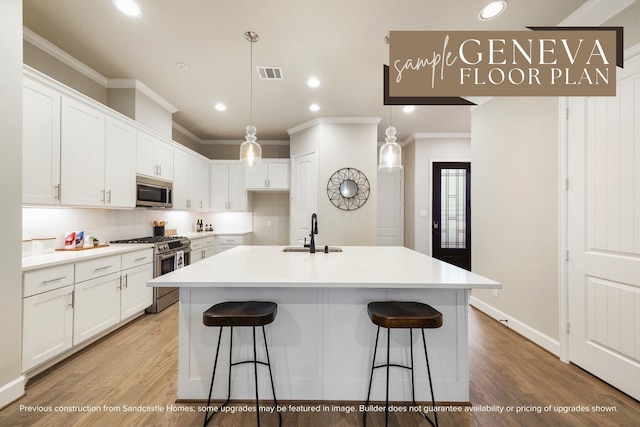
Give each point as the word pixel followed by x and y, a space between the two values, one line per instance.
pixel 153 193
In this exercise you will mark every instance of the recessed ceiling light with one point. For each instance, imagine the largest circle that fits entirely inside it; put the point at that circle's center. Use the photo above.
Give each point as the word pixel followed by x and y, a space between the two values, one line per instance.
pixel 220 106
pixel 492 9
pixel 408 108
pixel 182 66
pixel 314 107
pixel 313 82
pixel 128 7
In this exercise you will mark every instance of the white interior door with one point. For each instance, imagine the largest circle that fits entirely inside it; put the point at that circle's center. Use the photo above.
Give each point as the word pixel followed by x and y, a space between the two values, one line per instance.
pixel 303 194
pixel 390 226
pixel 604 232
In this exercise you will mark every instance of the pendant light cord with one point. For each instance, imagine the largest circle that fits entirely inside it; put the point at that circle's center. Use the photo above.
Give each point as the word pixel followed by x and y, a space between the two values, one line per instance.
pixel 251 83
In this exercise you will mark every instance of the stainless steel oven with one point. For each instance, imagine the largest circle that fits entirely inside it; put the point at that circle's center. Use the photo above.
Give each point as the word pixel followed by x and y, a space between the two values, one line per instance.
pixel 170 253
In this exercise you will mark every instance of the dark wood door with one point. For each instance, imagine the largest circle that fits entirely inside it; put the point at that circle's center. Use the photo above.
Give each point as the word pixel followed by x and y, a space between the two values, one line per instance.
pixel 451 227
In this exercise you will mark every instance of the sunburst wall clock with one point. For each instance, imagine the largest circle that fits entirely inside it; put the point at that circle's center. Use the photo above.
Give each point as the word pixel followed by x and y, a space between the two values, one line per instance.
pixel 348 189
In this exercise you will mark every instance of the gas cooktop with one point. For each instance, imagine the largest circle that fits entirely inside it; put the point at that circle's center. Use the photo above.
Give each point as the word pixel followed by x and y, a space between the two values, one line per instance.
pixel 162 244
pixel 150 239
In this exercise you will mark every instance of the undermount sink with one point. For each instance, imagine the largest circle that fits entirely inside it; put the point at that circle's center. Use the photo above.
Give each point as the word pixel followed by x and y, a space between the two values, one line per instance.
pixel 319 249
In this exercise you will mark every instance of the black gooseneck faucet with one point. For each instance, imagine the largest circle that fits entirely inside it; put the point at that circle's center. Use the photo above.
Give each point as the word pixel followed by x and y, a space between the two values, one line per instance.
pixel 314 231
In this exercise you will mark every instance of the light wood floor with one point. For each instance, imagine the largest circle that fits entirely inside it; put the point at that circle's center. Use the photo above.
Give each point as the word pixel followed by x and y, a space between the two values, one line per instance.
pixel 135 368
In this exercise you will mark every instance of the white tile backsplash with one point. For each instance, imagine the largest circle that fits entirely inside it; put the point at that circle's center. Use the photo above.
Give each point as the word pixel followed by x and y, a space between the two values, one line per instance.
pixel 114 224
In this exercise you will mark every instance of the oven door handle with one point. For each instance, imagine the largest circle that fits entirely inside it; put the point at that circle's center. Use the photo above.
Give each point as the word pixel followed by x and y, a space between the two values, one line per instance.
pixel 162 257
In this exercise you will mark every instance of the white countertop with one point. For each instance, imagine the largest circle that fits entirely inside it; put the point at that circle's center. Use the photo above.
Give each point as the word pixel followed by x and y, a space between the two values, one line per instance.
pixel 202 234
pixel 34 262
pixel 354 267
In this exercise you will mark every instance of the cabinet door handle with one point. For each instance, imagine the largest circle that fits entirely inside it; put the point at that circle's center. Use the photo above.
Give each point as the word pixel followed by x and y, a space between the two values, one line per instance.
pixel 72 298
pixel 126 280
pixel 57 279
pixel 160 170
pixel 109 196
pixel 57 191
pixel 102 197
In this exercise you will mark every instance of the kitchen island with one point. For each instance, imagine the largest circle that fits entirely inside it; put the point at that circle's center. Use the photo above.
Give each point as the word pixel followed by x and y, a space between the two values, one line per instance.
pixel 321 342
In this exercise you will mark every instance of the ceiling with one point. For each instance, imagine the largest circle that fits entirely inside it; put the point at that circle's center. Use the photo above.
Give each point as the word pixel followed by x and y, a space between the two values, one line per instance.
pixel 341 42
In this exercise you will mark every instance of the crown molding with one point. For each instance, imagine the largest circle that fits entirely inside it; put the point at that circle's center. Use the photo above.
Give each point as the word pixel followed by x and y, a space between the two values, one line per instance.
pixel 142 88
pixel 435 135
pixel 186 132
pixel 62 56
pixel 595 12
pixel 333 120
pixel 239 141
pixel 53 50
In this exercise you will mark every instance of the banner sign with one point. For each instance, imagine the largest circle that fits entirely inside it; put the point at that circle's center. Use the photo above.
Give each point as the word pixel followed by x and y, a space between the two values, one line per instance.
pixel 503 63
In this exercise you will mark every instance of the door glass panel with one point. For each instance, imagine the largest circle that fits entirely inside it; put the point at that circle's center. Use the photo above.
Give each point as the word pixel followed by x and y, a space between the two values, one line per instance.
pixel 453 208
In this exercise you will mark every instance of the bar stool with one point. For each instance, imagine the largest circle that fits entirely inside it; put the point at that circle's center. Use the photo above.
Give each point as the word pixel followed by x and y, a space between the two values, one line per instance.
pixel 402 315
pixel 241 313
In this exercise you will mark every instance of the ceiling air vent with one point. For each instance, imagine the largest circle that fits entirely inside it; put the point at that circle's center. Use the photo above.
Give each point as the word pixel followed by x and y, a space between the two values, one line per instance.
pixel 270 73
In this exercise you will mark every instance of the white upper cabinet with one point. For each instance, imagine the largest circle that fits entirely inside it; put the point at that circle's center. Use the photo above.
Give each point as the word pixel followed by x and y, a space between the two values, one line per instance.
pixel 83 153
pixel 272 175
pixel 227 187
pixel 199 184
pixel 98 158
pixel 154 157
pixel 120 165
pixel 180 192
pixel 190 182
pixel 78 152
pixel 40 144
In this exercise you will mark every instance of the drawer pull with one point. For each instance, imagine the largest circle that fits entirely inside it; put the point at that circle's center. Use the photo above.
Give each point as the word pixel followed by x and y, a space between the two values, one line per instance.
pixel 102 268
pixel 57 279
pixel 140 259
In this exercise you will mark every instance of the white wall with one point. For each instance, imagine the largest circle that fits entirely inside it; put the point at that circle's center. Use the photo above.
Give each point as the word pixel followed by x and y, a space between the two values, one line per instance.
pixel 150 113
pixel 342 144
pixel 270 217
pixel 11 382
pixel 514 203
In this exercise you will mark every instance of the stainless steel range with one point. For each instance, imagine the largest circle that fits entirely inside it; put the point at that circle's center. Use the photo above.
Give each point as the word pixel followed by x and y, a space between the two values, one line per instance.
pixel 170 253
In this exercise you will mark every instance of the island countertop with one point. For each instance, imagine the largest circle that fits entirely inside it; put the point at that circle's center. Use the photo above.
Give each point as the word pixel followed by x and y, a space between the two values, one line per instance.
pixel 354 267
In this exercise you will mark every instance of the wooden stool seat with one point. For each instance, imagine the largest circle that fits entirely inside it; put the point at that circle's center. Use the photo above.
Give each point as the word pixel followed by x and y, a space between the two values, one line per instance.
pixel 396 314
pixel 240 313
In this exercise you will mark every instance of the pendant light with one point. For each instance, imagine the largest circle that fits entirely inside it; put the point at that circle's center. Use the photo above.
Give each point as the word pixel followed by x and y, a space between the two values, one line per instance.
pixel 390 152
pixel 250 150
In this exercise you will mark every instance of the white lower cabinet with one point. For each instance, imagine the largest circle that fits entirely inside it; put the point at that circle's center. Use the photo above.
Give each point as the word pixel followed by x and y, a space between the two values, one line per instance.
pixel 226 242
pixel 69 304
pixel 96 306
pixel 135 295
pixel 202 248
pixel 47 326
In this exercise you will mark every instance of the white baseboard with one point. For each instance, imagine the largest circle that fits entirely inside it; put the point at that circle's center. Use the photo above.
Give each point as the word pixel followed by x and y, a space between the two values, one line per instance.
pixel 12 391
pixel 549 344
